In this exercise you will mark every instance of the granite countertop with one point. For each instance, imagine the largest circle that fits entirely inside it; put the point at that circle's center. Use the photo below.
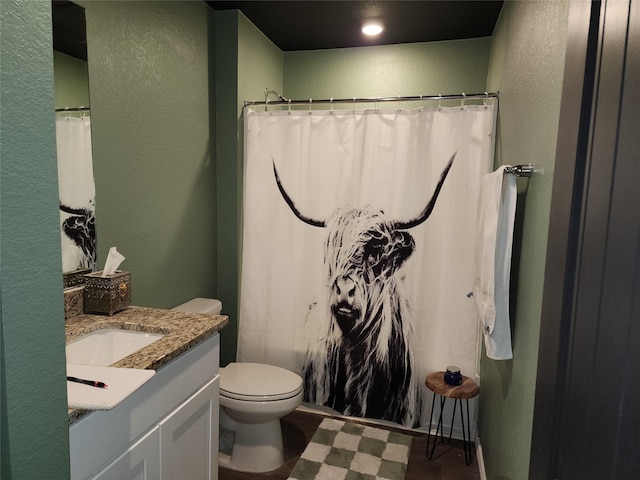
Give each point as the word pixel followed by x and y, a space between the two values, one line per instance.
pixel 182 331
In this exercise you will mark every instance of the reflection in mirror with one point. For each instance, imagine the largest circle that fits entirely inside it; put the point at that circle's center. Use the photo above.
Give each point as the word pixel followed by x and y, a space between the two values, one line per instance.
pixel 73 138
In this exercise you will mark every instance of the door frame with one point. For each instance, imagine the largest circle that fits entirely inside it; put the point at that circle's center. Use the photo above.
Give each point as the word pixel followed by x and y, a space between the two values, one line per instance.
pixel 586 294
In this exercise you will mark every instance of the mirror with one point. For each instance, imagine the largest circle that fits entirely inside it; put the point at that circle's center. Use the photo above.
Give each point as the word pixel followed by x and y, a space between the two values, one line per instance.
pixel 73 139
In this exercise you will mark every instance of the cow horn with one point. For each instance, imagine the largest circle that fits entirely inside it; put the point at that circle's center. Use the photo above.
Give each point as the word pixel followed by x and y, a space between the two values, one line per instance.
pixel 308 220
pixel 429 208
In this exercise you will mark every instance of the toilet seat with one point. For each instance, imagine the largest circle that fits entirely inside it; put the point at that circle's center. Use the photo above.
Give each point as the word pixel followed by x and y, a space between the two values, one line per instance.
pixel 256 382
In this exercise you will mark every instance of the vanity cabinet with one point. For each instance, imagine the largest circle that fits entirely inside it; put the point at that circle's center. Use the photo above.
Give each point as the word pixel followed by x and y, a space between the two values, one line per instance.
pixel 141 461
pixel 167 429
pixel 188 440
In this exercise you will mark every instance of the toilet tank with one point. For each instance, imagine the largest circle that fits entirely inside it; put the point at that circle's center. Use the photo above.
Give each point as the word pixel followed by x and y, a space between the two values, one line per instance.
pixel 212 306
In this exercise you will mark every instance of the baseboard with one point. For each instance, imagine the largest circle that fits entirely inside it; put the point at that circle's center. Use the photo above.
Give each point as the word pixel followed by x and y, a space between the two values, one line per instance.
pixel 326 411
pixel 480 459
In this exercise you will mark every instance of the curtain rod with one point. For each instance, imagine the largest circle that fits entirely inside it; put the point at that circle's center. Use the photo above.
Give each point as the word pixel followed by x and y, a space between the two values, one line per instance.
pixel 286 101
pixel 81 108
pixel 517 170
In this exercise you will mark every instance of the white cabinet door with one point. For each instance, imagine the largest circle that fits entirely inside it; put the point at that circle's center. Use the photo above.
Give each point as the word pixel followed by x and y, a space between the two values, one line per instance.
pixel 100 436
pixel 141 461
pixel 189 437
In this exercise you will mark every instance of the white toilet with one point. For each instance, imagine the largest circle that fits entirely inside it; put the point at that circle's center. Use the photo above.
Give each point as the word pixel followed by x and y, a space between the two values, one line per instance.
pixel 253 398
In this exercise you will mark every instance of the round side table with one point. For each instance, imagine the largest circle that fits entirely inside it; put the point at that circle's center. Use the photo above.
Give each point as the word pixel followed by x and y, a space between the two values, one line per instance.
pixel 468 389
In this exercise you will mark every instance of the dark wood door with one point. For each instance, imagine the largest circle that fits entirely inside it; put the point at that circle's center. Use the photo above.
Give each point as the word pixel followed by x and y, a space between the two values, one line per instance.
pixel 587 412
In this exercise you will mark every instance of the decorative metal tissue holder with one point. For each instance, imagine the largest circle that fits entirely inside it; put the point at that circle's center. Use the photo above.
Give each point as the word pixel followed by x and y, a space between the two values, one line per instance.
pixel 107 295
pixel 74 278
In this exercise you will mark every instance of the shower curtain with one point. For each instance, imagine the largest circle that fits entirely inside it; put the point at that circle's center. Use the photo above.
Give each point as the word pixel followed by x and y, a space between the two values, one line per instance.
pixel 358 241
pixel 77 192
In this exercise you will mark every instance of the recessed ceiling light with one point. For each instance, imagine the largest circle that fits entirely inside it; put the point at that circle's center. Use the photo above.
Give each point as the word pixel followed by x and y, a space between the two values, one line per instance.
pixel 372 28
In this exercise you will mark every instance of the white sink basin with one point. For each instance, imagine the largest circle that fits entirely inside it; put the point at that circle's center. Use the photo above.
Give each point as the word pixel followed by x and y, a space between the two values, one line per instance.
pixel 107 346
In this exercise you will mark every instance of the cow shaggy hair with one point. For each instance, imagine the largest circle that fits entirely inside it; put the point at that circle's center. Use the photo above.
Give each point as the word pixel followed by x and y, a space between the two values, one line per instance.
pixel 362 365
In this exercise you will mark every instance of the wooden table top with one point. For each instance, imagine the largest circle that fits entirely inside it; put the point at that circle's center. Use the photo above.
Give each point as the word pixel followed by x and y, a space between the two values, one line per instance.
pixel 435 382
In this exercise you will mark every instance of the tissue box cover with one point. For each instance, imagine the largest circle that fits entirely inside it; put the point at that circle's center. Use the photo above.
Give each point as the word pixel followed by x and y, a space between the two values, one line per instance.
pixel 74 278
pixel 107 295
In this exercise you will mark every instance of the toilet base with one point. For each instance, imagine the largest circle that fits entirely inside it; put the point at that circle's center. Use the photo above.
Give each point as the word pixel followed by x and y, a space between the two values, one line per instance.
pixel 256 448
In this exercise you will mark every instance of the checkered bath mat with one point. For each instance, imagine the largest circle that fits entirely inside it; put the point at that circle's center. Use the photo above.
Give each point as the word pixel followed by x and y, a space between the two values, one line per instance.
pixel 349 451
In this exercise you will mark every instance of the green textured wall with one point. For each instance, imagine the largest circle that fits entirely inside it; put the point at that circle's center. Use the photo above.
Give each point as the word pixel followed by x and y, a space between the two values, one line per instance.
pixel 153 164
pixel 260 63
pixel 410 69
pixel 527 64
pixel 71 81
pixel 246 62
pixel 229 179
pixel 33 414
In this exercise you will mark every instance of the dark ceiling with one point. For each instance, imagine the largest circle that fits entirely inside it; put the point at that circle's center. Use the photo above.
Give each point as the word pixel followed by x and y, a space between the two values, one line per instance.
pixel 313 25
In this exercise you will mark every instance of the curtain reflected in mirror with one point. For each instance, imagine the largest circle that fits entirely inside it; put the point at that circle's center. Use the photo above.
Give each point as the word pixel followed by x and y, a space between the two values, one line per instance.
pixel 73 139
pixel 76 191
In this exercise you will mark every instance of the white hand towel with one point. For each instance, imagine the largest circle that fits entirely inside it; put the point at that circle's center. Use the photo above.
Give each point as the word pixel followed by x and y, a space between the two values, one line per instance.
pixel 494 240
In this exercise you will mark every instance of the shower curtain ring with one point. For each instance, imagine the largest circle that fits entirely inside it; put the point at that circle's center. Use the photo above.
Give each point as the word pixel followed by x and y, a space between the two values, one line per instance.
pixel 439 102
pixel 464 96
pixel 289 106
pixel 310 101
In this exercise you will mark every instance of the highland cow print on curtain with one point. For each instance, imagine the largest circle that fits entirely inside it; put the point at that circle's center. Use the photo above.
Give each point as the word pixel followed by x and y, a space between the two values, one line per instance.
pixel 358 244
pixel 77 192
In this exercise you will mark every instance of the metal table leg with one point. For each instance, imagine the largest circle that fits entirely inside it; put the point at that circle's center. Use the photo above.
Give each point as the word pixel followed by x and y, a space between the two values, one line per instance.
pixel 439 429
pixel 466 439
pixel 466 428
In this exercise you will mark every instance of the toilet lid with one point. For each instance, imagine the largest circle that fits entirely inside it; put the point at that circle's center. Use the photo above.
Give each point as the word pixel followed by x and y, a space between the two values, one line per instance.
pixel 258 382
